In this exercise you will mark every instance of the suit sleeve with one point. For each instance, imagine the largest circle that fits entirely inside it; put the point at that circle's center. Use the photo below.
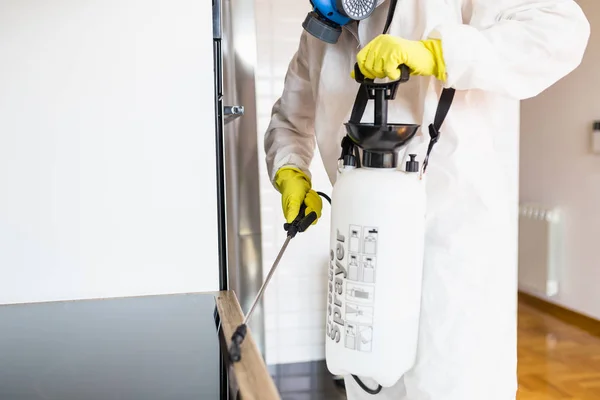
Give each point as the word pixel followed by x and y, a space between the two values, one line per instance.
pixel 518 48
pixel 290 137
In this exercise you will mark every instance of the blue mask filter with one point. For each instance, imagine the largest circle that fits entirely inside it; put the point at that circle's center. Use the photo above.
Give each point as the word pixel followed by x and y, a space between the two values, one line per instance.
pixel 328 16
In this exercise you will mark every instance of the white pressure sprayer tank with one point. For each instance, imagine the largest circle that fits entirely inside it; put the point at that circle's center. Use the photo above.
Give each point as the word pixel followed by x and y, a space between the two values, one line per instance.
pixel 377 244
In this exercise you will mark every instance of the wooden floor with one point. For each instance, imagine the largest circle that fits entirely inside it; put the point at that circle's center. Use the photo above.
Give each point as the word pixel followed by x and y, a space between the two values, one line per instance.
pixel 556 360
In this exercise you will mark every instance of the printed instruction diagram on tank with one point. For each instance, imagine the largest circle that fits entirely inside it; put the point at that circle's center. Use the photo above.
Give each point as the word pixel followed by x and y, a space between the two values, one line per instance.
pixel 360 287
pixel 359 337
pixel 359 293
pixel 362 262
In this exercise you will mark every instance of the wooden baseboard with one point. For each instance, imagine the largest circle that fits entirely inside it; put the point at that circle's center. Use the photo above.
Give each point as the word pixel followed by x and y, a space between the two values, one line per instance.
pixel 588 324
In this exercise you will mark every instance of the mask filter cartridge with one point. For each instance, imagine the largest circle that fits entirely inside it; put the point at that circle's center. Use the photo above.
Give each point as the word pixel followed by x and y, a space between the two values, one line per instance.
pixel 326 19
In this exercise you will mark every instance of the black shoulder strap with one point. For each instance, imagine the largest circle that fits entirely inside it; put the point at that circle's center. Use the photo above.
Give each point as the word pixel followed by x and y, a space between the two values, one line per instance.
pixel 444 105
pixel 390 15
pixel 360 104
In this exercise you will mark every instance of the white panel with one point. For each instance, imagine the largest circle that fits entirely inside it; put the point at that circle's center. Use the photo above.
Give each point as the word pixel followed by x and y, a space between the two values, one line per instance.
pixel 107 165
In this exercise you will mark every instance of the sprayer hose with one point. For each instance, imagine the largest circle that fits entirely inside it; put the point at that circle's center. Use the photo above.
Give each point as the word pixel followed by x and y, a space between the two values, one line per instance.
pixel 323 195
pixel 365 388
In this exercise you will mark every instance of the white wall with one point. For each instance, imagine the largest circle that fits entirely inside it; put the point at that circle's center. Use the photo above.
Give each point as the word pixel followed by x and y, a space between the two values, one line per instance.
pixel 558 168
pixel 107 172
pixel 295 300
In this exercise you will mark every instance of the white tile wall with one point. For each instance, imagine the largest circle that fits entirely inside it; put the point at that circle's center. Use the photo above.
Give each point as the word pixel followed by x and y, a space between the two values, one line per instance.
pixel 296 298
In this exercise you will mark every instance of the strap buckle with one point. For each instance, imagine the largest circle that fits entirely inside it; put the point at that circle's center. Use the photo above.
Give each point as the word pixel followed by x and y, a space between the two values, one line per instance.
pixel 434 135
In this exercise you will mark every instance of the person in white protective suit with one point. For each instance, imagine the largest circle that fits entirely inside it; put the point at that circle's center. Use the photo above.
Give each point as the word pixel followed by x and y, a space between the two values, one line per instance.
pixel 494 53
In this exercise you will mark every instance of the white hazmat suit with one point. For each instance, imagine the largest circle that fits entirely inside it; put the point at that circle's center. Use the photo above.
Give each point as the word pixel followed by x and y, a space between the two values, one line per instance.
pixel 496 52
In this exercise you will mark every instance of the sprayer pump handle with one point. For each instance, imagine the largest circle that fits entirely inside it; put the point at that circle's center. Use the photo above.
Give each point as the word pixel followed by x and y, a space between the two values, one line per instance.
pixel 360 77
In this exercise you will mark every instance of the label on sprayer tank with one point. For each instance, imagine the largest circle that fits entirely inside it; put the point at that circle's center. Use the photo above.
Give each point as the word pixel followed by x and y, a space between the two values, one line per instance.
pixel 351 289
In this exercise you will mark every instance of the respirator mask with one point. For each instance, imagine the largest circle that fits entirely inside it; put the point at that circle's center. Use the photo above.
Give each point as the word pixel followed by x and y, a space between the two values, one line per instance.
pixel 326 19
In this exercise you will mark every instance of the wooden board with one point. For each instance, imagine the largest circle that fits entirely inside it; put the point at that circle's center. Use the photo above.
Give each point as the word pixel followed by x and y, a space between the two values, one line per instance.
pixel 251 374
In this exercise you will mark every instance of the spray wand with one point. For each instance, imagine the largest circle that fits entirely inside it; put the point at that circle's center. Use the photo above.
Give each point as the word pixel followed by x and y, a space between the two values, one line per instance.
pixel 300 224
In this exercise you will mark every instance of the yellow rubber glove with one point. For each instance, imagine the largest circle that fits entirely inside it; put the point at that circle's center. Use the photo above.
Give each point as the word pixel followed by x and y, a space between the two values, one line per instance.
pixel 295 188
pixel 382 56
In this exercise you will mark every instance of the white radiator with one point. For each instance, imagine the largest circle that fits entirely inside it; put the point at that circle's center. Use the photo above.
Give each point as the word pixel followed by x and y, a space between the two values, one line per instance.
pixel 540 249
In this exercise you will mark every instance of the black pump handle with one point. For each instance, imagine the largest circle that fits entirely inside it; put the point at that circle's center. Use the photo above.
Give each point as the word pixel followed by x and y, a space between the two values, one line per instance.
pixel 360 77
